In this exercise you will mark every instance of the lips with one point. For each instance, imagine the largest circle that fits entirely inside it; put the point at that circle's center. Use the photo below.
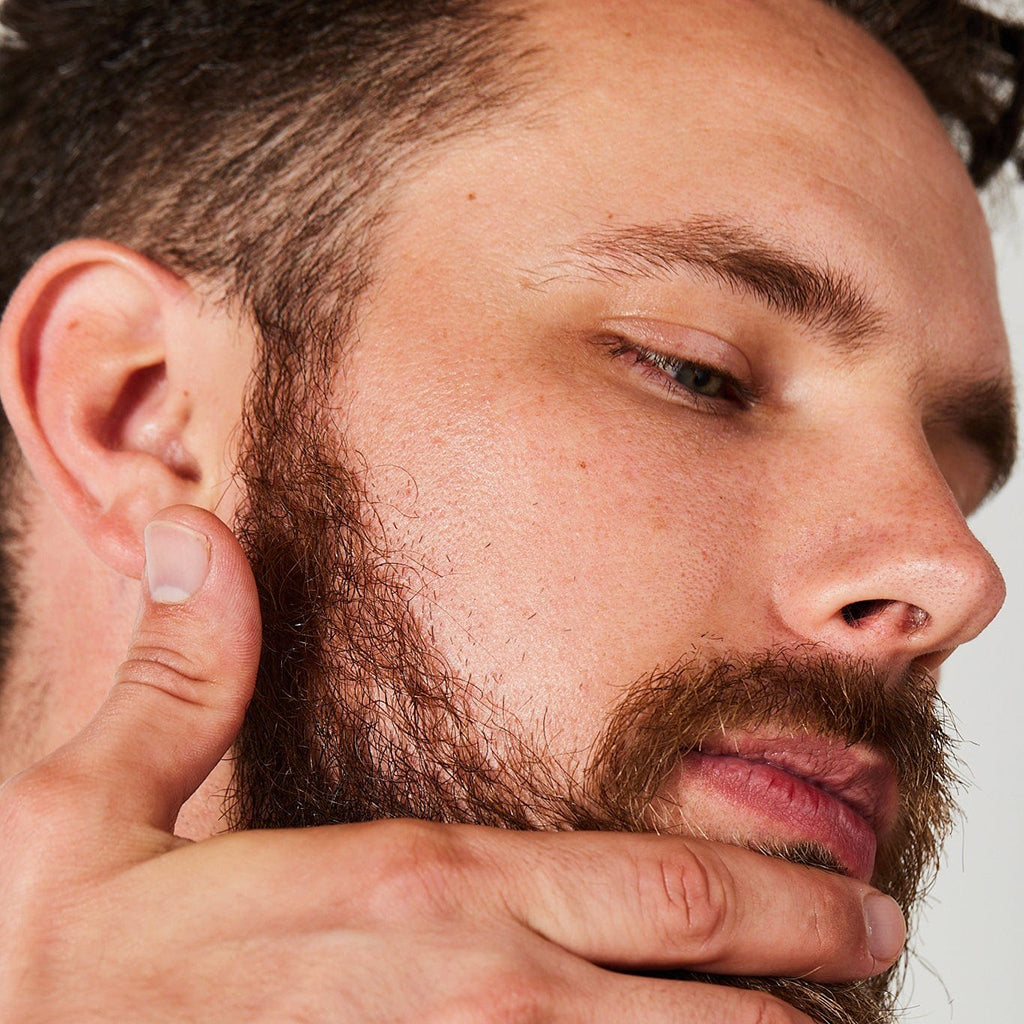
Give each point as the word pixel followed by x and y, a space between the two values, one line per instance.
pixel 791 790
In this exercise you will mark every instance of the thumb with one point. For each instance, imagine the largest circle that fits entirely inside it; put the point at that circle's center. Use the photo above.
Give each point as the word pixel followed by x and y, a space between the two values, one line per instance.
pixel 180 695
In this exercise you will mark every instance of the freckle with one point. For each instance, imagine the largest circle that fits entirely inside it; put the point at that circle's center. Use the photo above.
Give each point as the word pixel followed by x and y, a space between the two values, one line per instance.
pixel 471 196
pixel 583 465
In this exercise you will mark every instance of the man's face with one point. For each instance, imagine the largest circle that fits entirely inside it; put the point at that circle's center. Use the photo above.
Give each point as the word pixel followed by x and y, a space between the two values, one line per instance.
pixel 700 364
pixel 574 502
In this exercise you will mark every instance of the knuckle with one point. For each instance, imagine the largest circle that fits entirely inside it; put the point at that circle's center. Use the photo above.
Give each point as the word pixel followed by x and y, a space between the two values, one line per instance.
pixel 826 923
pixel 515 997
pixel 24 800
pixel 40 825
pixel 835 928
pixel 694 893
pixel 36 801
pixel 162 668
pixel 417 867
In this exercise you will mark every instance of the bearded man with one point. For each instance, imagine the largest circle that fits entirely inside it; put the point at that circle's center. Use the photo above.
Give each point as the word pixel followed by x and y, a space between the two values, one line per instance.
pixel 598 391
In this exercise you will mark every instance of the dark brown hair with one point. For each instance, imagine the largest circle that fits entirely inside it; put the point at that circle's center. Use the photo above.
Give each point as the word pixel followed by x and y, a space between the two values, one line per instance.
pixel 247 141
pixel 250 142
pixel 970 65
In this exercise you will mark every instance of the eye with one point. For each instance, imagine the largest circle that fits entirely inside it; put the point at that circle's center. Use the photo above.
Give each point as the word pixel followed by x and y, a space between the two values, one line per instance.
pixel 707 387
pixel 702 380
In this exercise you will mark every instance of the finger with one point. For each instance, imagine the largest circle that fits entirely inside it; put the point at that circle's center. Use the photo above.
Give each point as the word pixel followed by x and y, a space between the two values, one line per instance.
pixel 632 902
pixel 180 695
pixel 647 901
pixel 684 1002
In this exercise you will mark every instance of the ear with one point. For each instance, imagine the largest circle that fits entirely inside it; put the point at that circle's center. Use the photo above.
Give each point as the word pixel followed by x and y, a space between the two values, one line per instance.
pixel 112 374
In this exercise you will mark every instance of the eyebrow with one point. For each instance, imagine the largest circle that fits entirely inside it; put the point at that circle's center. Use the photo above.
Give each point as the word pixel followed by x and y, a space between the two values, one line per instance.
pixel 811 293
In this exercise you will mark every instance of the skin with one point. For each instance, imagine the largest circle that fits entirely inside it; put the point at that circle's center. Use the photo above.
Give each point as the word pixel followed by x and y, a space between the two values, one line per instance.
pixel 579 525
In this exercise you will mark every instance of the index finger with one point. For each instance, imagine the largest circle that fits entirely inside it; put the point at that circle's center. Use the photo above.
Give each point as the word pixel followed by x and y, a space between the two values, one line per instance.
pixel 651 901
pixel 630 902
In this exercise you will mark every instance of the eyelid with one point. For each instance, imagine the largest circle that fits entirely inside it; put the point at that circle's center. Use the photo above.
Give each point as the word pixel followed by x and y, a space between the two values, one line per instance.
pixel 684 343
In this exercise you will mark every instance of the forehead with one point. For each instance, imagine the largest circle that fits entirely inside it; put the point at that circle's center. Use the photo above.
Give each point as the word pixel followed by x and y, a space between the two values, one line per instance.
pixel 780 115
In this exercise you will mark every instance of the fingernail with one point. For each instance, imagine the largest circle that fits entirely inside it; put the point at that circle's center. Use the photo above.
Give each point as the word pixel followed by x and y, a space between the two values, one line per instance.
pixel 887 931
pixel 177 561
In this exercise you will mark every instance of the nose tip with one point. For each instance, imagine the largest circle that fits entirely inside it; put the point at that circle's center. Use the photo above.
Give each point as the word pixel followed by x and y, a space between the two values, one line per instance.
pixel 982 592
pixel 870 600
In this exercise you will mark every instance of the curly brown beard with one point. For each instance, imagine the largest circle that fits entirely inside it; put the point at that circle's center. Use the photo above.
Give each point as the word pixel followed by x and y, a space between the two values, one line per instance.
pixel 357 717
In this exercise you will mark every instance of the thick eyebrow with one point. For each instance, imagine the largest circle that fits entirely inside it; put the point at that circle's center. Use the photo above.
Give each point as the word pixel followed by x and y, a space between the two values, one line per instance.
pixel 814 294
pixel 983 413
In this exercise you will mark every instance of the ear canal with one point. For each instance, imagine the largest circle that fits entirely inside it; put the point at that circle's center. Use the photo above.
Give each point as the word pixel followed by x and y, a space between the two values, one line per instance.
pixel 144 419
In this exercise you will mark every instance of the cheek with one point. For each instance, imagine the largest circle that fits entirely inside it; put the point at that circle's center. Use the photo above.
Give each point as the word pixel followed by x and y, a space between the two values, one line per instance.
pixel 565 549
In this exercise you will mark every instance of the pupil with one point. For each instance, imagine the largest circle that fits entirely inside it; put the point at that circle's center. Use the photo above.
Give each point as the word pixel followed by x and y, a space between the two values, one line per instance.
pixel 702 380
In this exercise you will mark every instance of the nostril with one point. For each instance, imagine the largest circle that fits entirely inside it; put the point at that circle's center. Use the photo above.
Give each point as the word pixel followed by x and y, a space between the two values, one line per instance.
pixel 858 612
pixel 908 618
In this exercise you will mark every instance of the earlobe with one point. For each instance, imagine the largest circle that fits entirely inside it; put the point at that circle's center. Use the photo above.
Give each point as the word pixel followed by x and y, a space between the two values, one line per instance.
pixel 95 357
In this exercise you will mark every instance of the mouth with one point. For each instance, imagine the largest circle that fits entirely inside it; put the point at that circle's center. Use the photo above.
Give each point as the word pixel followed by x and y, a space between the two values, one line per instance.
pixel 788 791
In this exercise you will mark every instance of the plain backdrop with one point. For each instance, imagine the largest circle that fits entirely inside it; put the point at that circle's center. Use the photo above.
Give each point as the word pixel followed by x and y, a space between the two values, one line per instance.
pixel 969 954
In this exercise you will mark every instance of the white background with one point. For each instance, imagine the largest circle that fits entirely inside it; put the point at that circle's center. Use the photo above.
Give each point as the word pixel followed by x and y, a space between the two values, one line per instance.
pixel 969 967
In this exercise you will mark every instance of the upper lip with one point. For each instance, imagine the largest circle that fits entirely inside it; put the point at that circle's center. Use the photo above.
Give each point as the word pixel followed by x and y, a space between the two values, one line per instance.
pixel 859 775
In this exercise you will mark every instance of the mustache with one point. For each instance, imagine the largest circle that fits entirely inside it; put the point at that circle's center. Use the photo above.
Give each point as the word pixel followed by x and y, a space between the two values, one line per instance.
pixel 803 690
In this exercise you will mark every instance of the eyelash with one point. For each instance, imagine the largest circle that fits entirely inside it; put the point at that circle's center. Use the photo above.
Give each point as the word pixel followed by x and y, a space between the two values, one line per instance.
pixel 658 368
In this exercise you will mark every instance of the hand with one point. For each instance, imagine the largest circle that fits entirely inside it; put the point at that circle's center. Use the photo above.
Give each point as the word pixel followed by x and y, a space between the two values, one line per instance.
pixel 106 916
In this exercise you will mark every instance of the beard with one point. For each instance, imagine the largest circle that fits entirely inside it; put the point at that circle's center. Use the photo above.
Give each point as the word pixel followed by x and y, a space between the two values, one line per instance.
pixel 357 716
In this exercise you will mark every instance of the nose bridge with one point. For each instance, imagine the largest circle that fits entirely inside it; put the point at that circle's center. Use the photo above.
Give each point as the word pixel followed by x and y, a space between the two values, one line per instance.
pixel 885 563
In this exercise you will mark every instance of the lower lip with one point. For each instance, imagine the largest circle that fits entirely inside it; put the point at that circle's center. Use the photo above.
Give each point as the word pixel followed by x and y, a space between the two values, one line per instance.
pixel 792 809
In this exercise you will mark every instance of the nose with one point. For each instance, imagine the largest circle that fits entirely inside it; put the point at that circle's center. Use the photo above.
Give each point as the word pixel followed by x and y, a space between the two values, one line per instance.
pixel 886 568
